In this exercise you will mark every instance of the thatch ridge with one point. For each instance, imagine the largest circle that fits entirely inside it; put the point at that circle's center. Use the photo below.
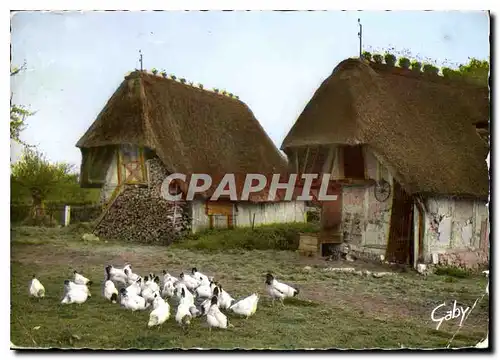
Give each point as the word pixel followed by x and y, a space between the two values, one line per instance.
pixel 423 127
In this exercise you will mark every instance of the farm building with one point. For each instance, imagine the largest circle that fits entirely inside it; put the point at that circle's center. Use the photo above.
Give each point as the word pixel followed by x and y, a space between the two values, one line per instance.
pixel 407 151
pixel 153 126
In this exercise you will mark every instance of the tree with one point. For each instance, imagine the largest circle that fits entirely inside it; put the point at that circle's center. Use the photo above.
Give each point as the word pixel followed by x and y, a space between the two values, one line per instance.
pixel 37 175
pixel 18 113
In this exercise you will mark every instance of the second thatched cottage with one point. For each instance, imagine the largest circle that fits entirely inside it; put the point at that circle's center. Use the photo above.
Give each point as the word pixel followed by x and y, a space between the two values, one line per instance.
pixel 407 151
pixel 154 126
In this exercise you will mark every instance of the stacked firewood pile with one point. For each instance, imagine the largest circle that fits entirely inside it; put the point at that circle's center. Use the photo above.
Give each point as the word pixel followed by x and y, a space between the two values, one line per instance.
pixel 137 216
pixel 140 214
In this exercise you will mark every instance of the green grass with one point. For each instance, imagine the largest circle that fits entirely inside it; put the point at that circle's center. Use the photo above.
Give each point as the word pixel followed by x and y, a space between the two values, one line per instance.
pixel 332 309
pixel 267 237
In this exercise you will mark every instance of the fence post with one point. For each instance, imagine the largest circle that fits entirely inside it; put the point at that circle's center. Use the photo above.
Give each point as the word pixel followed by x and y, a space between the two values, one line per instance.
pixel 67 215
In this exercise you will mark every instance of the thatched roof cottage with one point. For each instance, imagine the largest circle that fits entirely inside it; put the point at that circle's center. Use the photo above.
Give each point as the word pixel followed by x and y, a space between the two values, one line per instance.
pixel 154 126
pixel 408 152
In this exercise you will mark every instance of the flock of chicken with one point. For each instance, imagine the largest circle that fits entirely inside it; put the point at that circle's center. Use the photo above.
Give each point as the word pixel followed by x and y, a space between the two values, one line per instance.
pixel 196 295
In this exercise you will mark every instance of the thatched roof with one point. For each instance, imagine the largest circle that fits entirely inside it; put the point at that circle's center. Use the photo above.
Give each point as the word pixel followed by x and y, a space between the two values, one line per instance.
pixel 421 125
pixel 190 129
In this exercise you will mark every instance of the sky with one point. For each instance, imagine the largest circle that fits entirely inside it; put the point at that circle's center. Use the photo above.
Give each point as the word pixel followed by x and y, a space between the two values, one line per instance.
pixel 274 61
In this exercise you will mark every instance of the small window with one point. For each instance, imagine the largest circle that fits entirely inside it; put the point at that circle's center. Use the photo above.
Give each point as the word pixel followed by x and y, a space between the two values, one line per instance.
pixel 354 163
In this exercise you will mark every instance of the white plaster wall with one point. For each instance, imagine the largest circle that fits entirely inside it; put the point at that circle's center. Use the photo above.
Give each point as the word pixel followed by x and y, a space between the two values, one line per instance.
pixel 452 225
pixel 200 220
pixel 111 180
pixel 268 213
pixel 360 205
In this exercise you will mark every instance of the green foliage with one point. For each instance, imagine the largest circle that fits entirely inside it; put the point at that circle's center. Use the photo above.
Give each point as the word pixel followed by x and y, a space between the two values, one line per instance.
pixel 200 86
pixel 216 90
pixel 276 237
pixel 163 73
pixel 416 65
pixel 404 62
pixel 154 71
pixel 182 80
pixel 390 59
pixel 430 69
pixel 173 77
pixel 476 71
pixel 378 58
pixel 451 73
pixel 18 113
pixel 34 174
pixel 367 55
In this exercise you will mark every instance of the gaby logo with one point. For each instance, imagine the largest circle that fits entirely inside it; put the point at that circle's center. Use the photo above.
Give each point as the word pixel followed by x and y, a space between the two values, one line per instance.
pixel 310 186
pixel 440 313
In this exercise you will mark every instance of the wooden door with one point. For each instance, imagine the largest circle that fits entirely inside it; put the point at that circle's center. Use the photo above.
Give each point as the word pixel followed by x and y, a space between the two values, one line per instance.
pixel 400 245
pixel 220 214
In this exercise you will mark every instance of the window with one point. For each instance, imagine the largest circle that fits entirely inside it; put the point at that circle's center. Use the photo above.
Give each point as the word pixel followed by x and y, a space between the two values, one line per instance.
pixel 354 163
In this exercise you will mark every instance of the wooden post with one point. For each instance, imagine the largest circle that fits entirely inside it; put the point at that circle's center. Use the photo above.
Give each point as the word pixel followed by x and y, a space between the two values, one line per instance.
pixel 175 215
pixel 67 215
pixel 253 221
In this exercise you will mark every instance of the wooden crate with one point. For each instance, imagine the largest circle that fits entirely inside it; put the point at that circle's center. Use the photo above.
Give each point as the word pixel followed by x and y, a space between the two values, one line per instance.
pixel 308 245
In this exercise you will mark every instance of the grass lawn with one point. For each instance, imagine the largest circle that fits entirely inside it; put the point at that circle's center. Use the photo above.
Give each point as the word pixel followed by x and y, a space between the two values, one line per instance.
pixel 333 310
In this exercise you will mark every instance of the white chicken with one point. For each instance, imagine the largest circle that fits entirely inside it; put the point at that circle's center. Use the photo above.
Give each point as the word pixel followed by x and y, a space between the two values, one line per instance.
pixel 168 289
pixel 84 288
pixel 205 290
pixel 215 318
pixel 80 279
pixel 160 313
pixel 167 277
pixel 116 275
pixel 487 273
pixel 74 294
pixel 199 276
pixel 110 291
pixel 247 306
pixel 225 300
pixel 190 282
pixel 131 277
pixel 36 288
pixel 181 291
pixel 184 314
pixel 135 288
pixel 278 290
pixel 131 301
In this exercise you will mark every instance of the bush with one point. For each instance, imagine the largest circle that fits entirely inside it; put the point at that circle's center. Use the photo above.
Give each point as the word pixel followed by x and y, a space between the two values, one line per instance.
pixel 430 69
pixel 416 66
pixel 450 73
pixel 367 55
pixel 390 59
pixel 266 237
pixel 404 63
pixel 378 58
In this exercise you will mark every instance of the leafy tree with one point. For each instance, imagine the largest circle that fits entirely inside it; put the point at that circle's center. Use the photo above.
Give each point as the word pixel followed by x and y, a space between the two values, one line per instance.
pixel 18 113
pixel 40 178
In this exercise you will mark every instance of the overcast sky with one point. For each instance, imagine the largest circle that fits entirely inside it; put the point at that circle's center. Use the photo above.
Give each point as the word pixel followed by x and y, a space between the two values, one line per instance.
pixel 274 61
